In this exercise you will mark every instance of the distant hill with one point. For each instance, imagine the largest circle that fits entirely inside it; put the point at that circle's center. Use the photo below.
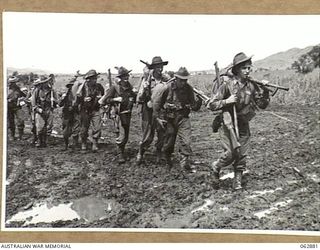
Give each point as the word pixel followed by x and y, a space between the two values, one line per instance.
pixel 281 60
pixel 10 70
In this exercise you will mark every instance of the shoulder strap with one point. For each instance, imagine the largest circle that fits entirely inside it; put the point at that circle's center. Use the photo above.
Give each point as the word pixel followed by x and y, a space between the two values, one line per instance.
pixel 117 88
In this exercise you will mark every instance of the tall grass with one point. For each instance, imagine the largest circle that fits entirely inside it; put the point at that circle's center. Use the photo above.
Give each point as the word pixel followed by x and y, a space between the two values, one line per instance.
pixel 304 89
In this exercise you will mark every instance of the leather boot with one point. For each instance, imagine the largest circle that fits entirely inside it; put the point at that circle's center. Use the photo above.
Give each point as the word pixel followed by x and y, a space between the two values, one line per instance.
pixel 169 162
pixel 184 163
pixel 215 174
pixel 139 156
pixel 237 180
pixel 215 171
pixel 121 156
pixel 159 156
pixel 95 145
pixel 38 141
pixel 83 145
pixel 44 140
pixel 66 143
pixel 74 142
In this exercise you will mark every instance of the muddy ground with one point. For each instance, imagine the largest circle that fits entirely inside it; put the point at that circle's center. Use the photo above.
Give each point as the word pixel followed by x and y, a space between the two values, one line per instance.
pixel 281 185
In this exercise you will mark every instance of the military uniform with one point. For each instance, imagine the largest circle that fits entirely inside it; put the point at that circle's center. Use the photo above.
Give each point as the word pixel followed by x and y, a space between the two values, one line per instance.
pixel 14 108
pixel 88 94
pixel 43 100
pixel 124 90
pixel 70 117
pixel 177 99
pixel 249 99
pixel 148 87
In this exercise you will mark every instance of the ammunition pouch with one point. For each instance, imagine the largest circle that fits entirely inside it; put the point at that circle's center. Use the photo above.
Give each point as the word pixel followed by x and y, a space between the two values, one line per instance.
pixel 247 113
pixel 174 110
pixel 216 123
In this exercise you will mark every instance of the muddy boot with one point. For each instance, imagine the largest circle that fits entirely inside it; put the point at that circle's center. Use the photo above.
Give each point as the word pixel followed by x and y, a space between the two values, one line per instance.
pixel 83 145
pixel 185 164
pixel 139 156
pixel 169 162
pixel 38 141
pixel 237 180
pixel 121 158
pixel 66 143
pixel 215 172
pixel 95 145
pixel 44 140
pixel 159 156
pixel 12 135
pixel 75 141
pixel 20 134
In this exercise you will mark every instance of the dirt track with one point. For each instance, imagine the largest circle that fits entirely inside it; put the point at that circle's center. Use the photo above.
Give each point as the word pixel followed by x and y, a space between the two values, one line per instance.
pixel 108 195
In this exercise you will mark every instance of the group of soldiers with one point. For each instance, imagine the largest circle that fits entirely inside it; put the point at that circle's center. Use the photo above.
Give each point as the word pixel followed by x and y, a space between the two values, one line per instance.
pixel 166 102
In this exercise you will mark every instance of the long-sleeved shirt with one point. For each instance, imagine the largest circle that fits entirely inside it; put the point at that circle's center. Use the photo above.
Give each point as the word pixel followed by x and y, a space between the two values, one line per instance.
pixel 144 94
pixel 94 91
pixel 124 90
pixel 67 103
pixel 250 97
pixel 13 95
pixel 42 98
pixel 180 99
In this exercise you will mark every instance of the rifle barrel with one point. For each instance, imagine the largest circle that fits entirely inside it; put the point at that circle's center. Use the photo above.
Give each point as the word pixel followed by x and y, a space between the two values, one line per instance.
pixel 268 85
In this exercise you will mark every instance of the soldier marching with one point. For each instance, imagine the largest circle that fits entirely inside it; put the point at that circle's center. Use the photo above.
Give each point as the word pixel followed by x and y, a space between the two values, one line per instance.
pixel 166 101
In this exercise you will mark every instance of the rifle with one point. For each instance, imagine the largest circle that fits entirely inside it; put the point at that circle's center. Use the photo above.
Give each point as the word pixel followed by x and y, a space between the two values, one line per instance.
pixel 51 95
pixel 232 126
pixel 146 63
pixel 109 78
pixel 267 86
pixel 202 96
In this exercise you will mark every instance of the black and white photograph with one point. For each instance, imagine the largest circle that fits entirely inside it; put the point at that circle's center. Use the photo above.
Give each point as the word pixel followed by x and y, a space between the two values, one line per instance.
pixel 161 123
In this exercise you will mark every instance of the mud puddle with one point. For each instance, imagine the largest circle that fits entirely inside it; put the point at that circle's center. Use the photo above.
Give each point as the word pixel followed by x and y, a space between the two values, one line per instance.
pixel 273 208
pixel 87 208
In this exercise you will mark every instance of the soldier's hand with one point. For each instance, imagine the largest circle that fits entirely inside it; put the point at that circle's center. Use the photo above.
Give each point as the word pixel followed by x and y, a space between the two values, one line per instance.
pixel 87 99
pixel 39 110
pixel 161 122
pixel 63 95
pixel 117 99
pixel 145 84
pixel 231 99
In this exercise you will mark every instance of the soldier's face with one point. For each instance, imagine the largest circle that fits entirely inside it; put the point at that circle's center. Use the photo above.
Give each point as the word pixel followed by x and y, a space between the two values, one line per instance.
pixel 93 79
pixel 245 70
pixel 181 82
pixel 158 69
pixel 125 78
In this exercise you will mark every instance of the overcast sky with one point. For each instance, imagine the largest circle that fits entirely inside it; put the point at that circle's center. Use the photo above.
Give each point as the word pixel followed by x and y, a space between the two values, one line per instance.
pixel 68 42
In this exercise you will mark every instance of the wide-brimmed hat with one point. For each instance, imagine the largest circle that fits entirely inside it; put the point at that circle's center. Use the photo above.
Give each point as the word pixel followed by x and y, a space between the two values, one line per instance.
pixel 24 89
pixel 91 73
pixel 40 80
pixel 122 71
pixel 13 79
pixel 71 81
pixel 156 61
pixel 182 73
pixel 240 58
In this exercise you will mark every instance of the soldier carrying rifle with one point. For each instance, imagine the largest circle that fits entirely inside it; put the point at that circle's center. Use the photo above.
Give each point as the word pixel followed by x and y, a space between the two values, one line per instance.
pixel 238 98
pixel 152 83
pixel 121 93
pixel 86 96
pixel 43 101
pixel 177 99
pixel 70 116
pixel 15 108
